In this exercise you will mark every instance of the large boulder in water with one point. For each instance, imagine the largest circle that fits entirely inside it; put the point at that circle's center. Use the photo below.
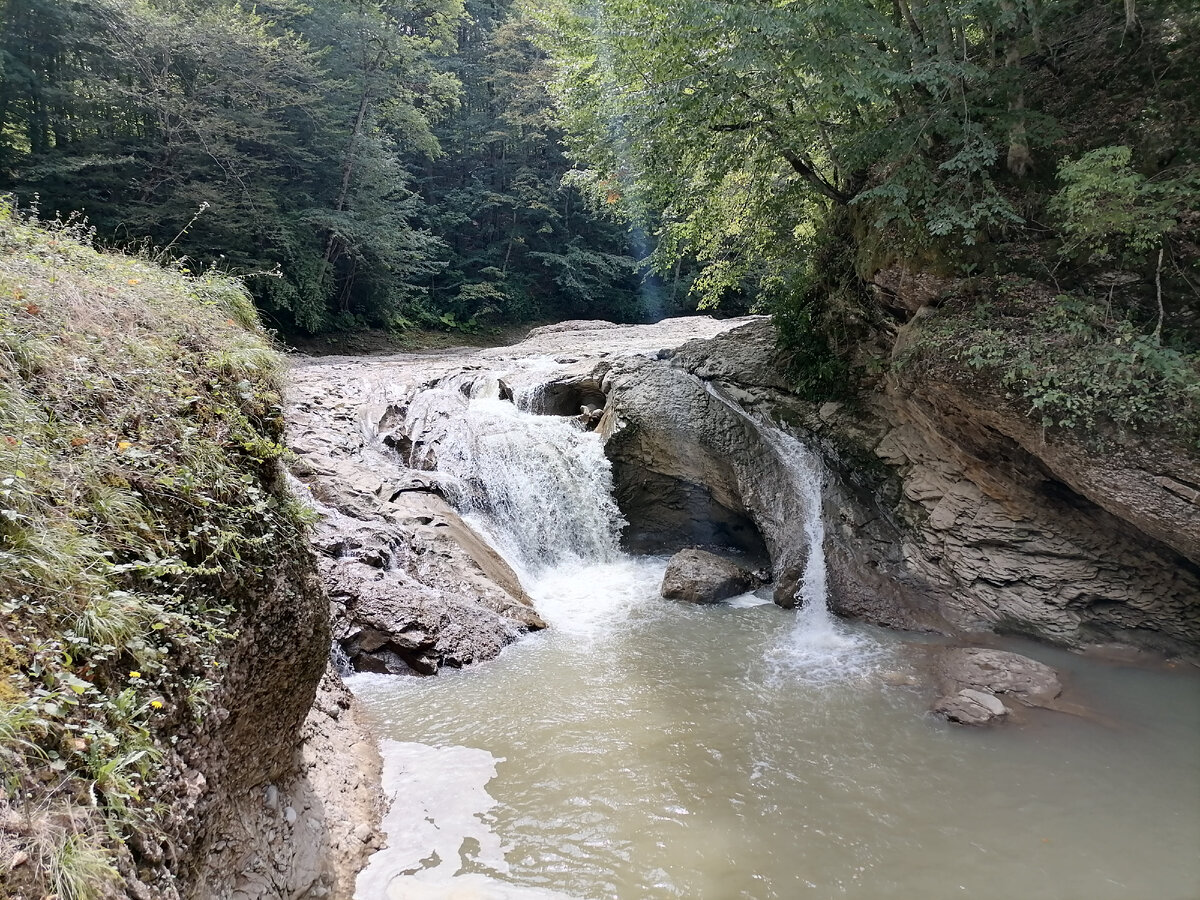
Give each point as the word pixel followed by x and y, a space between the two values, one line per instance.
pixel 999 672
pixel 971 678
pixel 696 576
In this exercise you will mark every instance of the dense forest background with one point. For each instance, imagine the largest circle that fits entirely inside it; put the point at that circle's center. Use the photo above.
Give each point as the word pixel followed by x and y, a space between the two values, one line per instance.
pixel 461 163
pixel 392 164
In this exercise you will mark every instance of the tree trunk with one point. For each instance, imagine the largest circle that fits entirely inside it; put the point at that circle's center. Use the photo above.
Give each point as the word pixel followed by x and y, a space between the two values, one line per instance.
pixel 1020 158
pixel 343 197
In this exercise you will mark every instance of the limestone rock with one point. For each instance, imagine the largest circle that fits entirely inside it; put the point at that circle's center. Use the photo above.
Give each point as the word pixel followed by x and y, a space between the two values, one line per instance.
pixel 999 672
pixel 946 508
pixel 696 576
pixel 668 431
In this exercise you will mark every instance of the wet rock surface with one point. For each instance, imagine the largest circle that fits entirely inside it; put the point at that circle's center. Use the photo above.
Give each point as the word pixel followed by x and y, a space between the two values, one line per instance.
pixel 294 835
pixel 999 672
pixel 411 586
pixel 970 707
pixel 696 576
pixel 975 681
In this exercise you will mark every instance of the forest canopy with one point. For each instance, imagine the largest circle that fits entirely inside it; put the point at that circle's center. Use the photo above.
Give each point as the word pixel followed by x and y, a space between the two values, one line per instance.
pixel 362 161
pixel 455 163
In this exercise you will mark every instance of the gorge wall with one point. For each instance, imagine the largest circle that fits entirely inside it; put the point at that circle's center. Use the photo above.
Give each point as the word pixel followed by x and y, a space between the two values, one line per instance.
pixel 945 508
pixel 168 724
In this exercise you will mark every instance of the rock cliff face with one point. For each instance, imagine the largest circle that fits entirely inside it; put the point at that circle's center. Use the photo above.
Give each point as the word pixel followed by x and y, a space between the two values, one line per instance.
pixel 304 828
pixel 273 781
pixel 411 586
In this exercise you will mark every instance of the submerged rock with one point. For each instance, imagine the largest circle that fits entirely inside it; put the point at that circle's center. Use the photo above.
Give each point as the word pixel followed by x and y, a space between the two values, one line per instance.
pixel 696 576
pixel 1000 672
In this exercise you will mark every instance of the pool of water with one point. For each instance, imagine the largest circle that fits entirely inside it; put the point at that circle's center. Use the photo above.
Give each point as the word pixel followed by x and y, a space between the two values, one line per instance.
pixel 646 749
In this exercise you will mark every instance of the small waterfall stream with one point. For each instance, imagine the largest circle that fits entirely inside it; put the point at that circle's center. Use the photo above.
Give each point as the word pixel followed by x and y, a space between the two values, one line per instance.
pixel 819 646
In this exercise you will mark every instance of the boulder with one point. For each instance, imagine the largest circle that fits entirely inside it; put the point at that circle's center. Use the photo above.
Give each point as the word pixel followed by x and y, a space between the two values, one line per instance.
pixel 696 576
pixel 998 672
pixel 668 432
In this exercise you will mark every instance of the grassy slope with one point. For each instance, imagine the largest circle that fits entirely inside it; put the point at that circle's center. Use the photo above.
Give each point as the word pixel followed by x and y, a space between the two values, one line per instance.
pixel 141 508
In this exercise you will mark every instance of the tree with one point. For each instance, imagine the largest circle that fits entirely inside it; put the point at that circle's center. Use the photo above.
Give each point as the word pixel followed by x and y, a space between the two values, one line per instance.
pixel 725 116
pixel 522 242
pixel 140 112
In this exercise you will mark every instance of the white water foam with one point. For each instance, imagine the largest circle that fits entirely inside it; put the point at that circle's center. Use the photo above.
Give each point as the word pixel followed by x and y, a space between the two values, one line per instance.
pixel 748 601
pixel 819 648
pixel 592 602
pixel 543 484
pixel 438 813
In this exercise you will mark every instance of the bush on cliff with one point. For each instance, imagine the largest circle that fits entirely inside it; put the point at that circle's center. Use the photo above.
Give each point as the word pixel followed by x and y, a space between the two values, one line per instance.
pixel 141 503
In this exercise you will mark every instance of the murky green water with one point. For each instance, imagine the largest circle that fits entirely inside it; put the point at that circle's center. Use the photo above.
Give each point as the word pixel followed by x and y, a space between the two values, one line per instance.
pixel 643 749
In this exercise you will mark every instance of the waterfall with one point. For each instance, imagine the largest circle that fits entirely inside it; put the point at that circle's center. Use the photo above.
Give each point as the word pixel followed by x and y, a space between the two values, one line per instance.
pixel 807 475
pixel 541 486
pixel 540 489
pixel 819 647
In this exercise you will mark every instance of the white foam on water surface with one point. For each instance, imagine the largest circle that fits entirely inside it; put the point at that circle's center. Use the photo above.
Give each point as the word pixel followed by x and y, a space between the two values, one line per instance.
pixel 819 649
pixel 595 600
pixel 748 601
pixel 437 825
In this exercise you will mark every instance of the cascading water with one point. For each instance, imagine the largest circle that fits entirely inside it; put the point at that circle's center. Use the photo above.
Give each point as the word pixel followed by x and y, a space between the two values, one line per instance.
pixel 540 489
pixel 819 647
pixel 540 486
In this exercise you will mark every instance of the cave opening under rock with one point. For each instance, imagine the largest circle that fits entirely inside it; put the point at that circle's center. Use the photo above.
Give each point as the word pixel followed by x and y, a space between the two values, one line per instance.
pixel 667 514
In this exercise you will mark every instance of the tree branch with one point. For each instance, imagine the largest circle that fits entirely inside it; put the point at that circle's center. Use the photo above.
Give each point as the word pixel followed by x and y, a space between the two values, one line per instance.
pixel 805 170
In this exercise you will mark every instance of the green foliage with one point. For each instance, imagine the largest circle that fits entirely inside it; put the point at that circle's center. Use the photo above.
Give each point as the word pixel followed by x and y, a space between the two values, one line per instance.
pixel 810 310
pixel 293 128
pixel 329 150
pixel 80 868
pixel 522 242
pixel 141 507
pixel 738 124
pixel 1073 363
pixel 1107 209
pixel 817 372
